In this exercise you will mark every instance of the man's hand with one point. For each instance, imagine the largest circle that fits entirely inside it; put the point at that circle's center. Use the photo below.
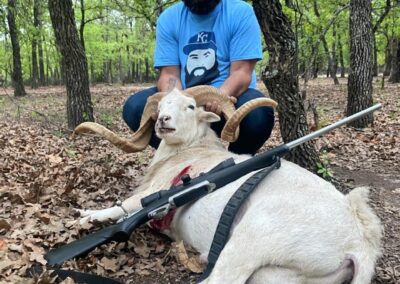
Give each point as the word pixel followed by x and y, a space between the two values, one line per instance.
pixel 215 107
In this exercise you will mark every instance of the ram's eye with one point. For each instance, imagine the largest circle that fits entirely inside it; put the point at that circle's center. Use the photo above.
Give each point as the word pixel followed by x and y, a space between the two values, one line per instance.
pixel 191 106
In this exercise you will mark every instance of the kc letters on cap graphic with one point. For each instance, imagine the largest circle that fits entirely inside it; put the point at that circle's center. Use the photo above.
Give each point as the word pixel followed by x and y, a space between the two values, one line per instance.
pixel 203 40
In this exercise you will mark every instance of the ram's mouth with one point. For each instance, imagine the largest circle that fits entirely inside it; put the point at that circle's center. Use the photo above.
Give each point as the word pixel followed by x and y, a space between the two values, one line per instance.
pixel 166 130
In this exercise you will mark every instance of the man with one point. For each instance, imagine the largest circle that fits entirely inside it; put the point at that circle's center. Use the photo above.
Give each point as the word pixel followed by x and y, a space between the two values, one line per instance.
pixel 210 42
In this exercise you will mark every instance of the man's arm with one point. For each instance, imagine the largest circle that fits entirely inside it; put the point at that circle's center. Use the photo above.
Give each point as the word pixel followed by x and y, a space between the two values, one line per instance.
pixel 169 78
pixel 239 78
pixel 236 84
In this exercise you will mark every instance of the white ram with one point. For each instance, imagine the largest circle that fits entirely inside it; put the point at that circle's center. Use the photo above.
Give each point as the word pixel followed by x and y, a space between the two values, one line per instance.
pixel 294 228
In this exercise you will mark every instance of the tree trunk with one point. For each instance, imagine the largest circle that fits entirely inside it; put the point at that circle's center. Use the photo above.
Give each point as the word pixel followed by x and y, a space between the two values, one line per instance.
pixel 341 58
pixel 334 57
pixel 35 70
pixel 42 76
pixel 388 58
pixel 326 48
pixel 329 70
pixel 375 65
pixel 47 67
pixel 74 63
pixel 281 79
pixel 110 71
pixel 361 61
pixel 137 71
pixel 133 71
pixel 36 35
pixel 82 26
pixel 147 72
pixel 395 65
pixel 315 69
pixel 17 79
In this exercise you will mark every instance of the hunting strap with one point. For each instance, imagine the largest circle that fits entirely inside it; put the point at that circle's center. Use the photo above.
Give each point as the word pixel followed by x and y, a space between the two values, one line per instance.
pixel 78 277
pixel 228 215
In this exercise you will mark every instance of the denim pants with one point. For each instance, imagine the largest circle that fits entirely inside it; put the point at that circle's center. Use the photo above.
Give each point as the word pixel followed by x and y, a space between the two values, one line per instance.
pixel 255 128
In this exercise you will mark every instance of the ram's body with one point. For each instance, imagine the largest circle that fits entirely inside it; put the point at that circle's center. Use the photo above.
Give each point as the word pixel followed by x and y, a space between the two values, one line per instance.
pixel 294 228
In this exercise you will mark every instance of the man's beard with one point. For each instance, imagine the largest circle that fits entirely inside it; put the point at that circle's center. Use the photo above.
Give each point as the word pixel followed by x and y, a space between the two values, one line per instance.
pixel 201 7
pixel 205 79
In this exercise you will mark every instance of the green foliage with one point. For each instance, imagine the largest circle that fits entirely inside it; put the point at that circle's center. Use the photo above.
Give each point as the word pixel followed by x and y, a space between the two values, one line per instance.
pixel 323 168
pixel 114 31
pixel 70 151
pixel 119 35
pixel 106 119
pixel 85 116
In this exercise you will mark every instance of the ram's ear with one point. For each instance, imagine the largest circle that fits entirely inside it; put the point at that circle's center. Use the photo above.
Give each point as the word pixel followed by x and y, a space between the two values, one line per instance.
pixel 208 116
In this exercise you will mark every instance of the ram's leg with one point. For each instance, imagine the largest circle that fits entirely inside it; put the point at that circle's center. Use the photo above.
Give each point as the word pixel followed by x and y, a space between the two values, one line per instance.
pixel 236 263
pixel 112 213
pixel 115 213
pixel 276 275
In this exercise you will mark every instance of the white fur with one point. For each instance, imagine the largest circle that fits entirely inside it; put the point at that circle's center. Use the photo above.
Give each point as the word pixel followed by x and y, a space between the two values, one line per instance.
pixel 294 228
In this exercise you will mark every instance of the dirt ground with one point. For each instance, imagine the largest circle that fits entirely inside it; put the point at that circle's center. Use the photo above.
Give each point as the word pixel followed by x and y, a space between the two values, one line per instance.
pixel 44 174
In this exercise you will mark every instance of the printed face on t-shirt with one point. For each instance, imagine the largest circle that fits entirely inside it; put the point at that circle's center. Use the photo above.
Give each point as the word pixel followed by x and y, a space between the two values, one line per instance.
pixel 199 61
pixel 201 66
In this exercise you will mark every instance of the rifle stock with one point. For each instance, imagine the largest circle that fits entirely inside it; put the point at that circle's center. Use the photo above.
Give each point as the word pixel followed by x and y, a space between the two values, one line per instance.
pixel 119 232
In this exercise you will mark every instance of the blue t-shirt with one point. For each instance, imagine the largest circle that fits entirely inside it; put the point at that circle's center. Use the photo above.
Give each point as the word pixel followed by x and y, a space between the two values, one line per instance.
pixel 205 45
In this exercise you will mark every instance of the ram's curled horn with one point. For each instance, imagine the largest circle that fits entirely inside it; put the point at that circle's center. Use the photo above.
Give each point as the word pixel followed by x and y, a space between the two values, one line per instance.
pixel 230 129
pixel 205 94
pixel 139 140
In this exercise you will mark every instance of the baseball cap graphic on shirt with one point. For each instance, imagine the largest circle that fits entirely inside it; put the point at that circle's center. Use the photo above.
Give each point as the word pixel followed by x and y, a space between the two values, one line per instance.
pixel 203 40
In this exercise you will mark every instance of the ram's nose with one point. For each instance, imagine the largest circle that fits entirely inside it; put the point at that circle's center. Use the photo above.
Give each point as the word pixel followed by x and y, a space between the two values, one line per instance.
pixel 163 119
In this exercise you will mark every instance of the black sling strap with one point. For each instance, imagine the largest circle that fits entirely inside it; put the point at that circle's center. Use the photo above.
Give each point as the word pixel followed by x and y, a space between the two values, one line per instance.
pixel 228 215
pixel 78 277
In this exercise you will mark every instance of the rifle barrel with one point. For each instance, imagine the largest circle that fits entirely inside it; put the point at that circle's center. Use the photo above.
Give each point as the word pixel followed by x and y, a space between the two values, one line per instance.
pixel 328 128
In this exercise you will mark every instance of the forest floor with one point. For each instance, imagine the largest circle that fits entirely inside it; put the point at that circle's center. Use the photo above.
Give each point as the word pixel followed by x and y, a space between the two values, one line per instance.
pixel 44 174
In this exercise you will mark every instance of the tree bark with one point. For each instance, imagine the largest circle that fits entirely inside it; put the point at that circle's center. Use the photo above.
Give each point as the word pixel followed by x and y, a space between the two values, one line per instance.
pixel 341 58
pixel 147 70
pixel 328 54
pixel 74 63
pixel 35 69
pixel 82 26
pixel 36 35
pixel 17 79
pixel 388 58
pixel 42 76
pixel 395 65
pixel 334 57
pixel 375 54
pixel 281 79
pixel 361 61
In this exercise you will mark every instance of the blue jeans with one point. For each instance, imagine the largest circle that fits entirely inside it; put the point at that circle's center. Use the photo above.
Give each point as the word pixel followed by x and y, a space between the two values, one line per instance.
pixel 255 128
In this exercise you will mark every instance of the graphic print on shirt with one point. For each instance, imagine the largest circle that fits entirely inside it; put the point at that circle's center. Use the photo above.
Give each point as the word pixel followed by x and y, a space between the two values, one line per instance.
pixel 201 64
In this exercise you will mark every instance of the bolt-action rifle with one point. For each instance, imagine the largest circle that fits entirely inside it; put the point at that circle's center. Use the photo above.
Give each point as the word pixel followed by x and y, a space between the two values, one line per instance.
pixel 158 204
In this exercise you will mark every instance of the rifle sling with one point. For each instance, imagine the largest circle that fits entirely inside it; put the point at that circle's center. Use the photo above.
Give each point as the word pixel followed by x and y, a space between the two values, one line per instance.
pixel 222 232
pixel 78 277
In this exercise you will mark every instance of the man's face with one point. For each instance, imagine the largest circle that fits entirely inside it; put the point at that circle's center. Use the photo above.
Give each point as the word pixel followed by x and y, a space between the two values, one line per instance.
pixel 200 60
pixel 201 7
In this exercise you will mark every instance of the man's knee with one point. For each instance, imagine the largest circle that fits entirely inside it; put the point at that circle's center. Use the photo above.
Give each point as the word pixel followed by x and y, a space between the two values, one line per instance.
pixel 259 123
pixel 255 128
